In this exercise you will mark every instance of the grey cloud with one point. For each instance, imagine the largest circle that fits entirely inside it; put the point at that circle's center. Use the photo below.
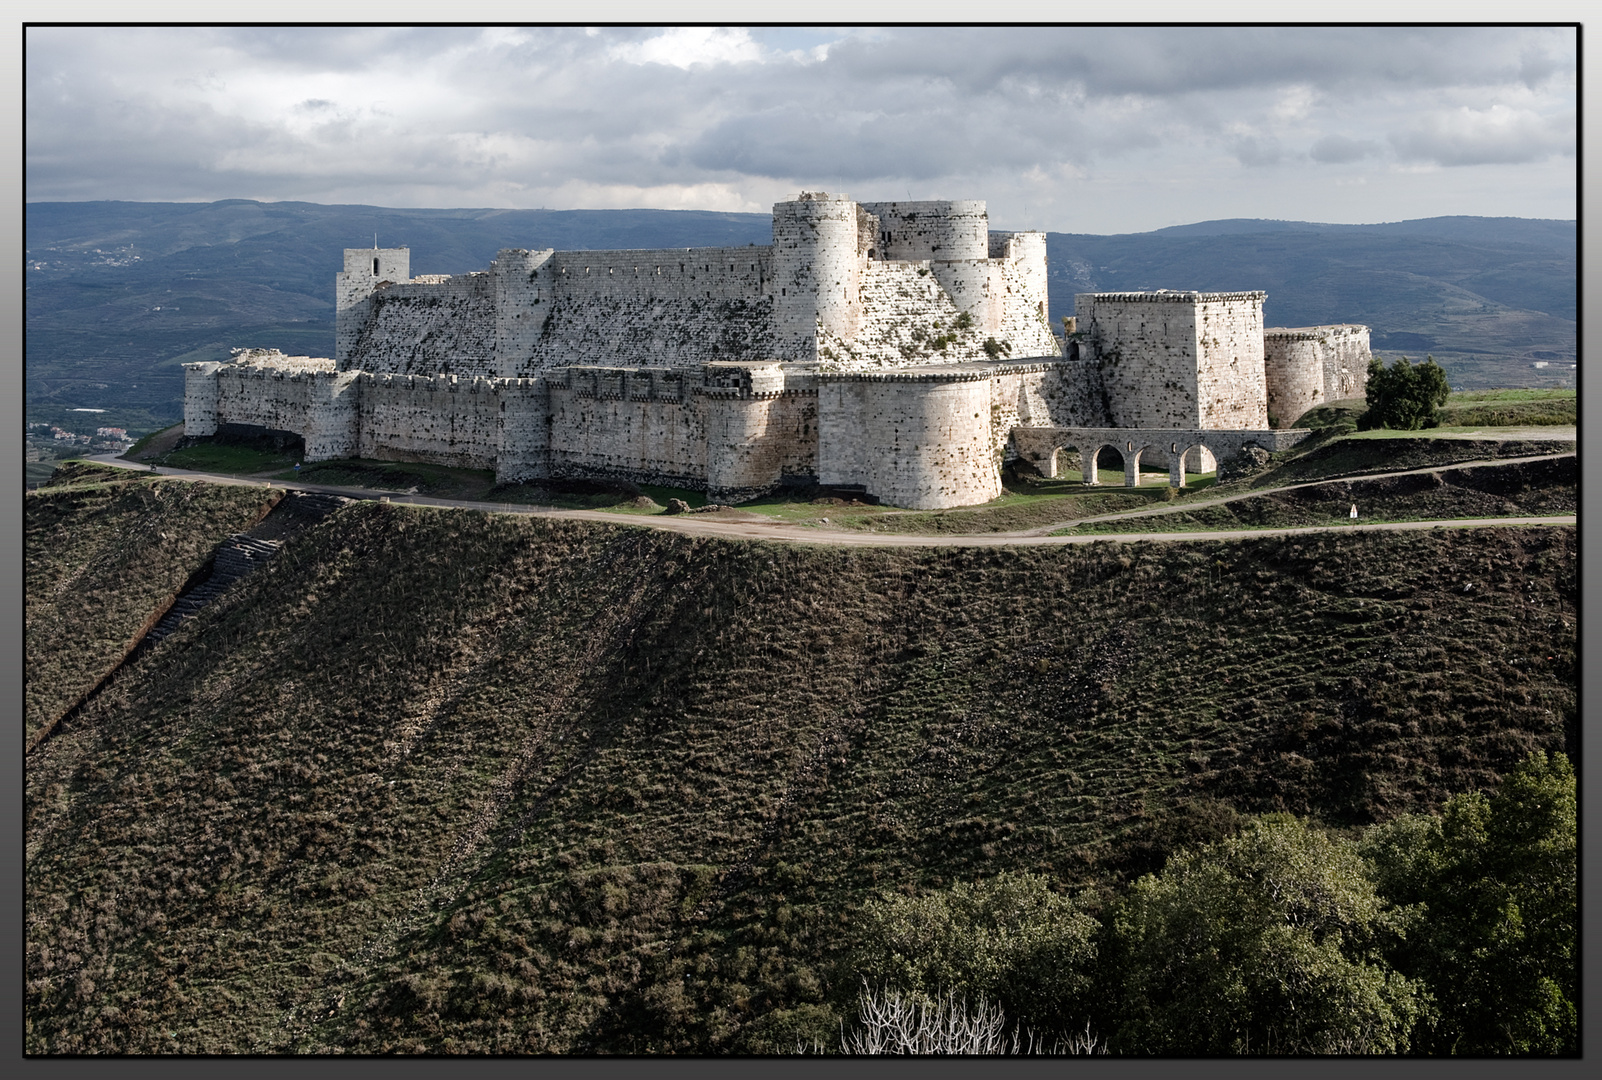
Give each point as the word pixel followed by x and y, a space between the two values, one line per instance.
pixel 1466 139
pixel 534 109
pixel 1339 150
pixel 1256 150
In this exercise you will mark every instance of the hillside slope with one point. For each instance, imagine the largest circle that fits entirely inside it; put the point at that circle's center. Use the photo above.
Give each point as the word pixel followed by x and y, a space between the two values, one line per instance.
pixel 435 780
pixel 105 552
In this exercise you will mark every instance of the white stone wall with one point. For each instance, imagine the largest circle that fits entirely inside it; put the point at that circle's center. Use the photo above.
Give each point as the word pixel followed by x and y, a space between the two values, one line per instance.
pixel 1307 366
pixel 755 442
pixel 1177 359
pixel 957 229
pixel 445 420
pixel 200 398
pixel 627 424
pixel 525 430
pixel 1019 300
pixel 429 329
pixel 364 269
pixel 1231 384
pixel 671 308
pixel 912 439
pixel 1145 351
pixel 263 397
pixel 817 262
pixel 1033 395
pixel 904 313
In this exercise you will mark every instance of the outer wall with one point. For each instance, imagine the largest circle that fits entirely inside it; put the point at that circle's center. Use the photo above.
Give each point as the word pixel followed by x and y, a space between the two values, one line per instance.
pixel 918 444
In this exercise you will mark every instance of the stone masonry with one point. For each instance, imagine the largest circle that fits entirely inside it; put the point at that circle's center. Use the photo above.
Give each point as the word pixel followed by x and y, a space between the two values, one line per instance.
pixel 899 349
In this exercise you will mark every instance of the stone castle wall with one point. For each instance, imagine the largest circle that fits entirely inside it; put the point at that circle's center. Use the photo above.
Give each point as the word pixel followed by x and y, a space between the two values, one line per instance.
pixel 1230 383
pixel 934 229
pixel 427 329
pixel 671 308
pixel 1145 353
pixel 1307 366
pixel 893 347
pixel 1177 359
pixel 364 269
pixel 637 424
pixel 915 440
pixel 444 419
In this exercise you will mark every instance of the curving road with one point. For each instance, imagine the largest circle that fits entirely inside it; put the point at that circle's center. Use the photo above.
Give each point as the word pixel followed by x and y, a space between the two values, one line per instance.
pixel 743 525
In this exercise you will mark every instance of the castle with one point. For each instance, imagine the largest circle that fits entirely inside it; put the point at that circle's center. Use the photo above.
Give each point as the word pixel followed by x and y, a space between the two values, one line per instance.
pixel 900 349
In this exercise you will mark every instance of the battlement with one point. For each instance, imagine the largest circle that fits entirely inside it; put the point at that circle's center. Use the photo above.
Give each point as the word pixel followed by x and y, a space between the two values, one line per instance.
pixel 1314 333
pixel 1170 296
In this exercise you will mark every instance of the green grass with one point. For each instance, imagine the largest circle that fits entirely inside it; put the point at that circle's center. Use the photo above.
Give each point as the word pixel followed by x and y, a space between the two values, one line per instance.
pixel 144 442
pixel 453 782
pixel 1482 396
pixel 439 481
pixel 228 459
pixel 1523 489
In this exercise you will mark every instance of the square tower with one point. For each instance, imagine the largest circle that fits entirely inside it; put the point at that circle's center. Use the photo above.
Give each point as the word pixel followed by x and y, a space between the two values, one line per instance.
pixel 365 268
pixel 1188 360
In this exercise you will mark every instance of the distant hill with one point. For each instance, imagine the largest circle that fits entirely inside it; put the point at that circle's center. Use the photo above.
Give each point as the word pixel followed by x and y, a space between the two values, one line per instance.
pixel 119 294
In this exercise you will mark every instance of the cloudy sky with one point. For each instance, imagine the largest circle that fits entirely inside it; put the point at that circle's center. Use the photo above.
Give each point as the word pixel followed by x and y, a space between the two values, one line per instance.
pixel 1078 130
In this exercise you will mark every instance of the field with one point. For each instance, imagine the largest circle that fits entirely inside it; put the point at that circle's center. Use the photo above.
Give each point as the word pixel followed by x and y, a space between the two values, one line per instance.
pixel 450 782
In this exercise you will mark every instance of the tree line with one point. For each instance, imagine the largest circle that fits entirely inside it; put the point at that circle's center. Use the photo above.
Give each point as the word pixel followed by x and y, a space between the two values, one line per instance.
pixel 1449 933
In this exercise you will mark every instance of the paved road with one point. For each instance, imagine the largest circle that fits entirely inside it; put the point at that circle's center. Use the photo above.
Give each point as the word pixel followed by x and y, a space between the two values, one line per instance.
pixel 742 525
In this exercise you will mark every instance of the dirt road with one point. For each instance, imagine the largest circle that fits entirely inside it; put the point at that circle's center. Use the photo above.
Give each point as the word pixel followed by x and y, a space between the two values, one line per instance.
pixel 743 525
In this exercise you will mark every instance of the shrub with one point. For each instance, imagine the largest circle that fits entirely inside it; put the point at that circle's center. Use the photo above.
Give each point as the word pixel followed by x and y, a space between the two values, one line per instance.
pixel 1404 397
pixel 1265 943
pixel 1010 940
pixel 1498 879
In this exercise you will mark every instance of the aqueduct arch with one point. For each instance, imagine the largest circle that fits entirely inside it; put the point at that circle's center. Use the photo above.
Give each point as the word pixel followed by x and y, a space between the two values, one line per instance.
pixel 1039 446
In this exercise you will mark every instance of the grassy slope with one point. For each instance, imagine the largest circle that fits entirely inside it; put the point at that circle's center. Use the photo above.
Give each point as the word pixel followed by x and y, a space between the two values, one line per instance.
pixel 104 547
pixel 436 780
pixel 1516 489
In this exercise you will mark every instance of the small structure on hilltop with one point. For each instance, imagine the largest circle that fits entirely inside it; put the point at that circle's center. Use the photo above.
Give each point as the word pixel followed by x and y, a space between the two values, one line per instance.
pixel 898 349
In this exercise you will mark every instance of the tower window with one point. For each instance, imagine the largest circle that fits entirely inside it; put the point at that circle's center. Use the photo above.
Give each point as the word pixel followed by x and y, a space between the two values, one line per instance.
pixel 375 267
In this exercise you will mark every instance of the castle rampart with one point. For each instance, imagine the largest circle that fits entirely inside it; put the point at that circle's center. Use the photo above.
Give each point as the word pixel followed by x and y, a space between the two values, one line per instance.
pixel 894 348
pixel 1310 365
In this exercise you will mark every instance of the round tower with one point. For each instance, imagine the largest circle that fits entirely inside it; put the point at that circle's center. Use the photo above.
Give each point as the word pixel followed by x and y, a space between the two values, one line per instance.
pixel 942 229
pixel 816 265
pixel 1293 368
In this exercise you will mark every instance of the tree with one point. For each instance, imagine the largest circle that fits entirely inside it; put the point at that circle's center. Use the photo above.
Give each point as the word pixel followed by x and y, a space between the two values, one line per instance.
pixel 1404 397
pixel 1009 940
pixel 1496 880
pixel 1268 942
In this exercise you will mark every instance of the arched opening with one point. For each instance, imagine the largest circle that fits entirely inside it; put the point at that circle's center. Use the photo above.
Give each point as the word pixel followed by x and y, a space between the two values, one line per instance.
pixel 1108 457
pixel 1061 462
pixel 1073 350
pixel 1131 455
pixel 375 267
pixel 1189 464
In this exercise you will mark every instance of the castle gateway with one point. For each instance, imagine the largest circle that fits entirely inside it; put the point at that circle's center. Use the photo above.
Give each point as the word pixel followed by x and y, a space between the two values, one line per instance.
pixel 900 348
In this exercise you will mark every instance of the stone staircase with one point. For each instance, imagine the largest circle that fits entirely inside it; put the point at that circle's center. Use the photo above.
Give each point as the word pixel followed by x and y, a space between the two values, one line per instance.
pixel 242 553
